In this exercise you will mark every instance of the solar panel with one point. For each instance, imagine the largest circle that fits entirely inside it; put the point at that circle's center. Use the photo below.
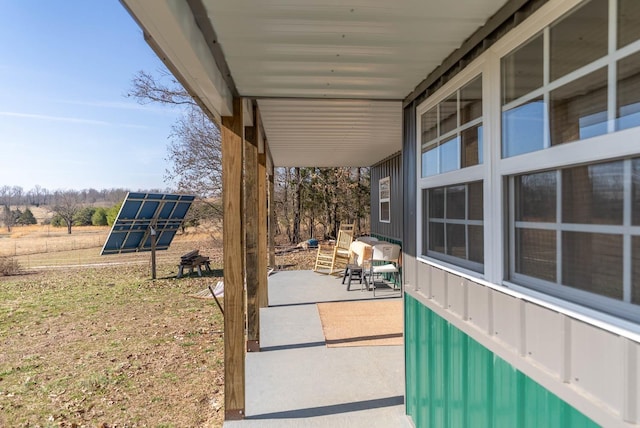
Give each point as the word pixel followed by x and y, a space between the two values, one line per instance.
pixel 140 216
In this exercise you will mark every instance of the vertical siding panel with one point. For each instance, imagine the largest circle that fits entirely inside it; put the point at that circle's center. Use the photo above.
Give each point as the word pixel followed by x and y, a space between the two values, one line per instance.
pixel 411 352
pixel 457 377
pixel 392 168
pixel 452 380
pixel 479 386
pixel 409 177
pixel 424 363
pixel 439 371
pixel 505 395
pixel 537 408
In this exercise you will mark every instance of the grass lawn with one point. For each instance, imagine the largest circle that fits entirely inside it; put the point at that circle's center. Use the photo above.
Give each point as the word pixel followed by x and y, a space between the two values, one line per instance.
pixel 106 346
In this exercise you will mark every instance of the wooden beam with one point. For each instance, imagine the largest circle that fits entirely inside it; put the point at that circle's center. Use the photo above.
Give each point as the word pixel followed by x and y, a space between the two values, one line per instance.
pixel 263 291
pixel 252 219
pixel 272 220
pixel 233 242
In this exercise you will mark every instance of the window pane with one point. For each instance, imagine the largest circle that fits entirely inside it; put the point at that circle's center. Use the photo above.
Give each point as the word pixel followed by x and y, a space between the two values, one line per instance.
pixel 476 244
pixel 430 160
pixel 593 262
pixel 384 211
pixel 456 243
pixel 635 275
pixel 628 22
pixel 455 202
pixel 449 114
pixel 523 129
pixel 593 194
pixel 635 199
pixel 476 207
pixel 536 197
pixel 425 224
pixel 436 203
pixel 579 109
pixel 471 101
pixel 522 70
pixel 628 92
pixel 436 237
pixel 449 154
pixel 536 253
pixel 471 146
pixel 579 38
pixel 429 125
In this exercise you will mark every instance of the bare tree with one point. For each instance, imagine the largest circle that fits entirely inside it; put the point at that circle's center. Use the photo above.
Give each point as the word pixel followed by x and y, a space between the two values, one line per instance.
pixel 8 217
pixel 5 195
pixel 195 148
pixel 66 205
pixel 17 194
pixel 164 89
pixel 195 155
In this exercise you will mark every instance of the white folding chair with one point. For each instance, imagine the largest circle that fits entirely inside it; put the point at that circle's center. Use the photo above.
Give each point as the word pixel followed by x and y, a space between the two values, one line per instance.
pixel 389 253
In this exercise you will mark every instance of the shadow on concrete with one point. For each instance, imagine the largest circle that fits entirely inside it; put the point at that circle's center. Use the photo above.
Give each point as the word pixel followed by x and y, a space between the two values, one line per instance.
pixel 333 409
pixel 292 346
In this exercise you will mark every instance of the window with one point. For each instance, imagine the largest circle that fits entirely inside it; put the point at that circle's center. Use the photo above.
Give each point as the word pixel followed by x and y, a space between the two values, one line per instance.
pixel 384 191
pixel 453 227
pixel 451 131
pixel 557 87
pixel 570 225
pixel 560 211
pixel 573 228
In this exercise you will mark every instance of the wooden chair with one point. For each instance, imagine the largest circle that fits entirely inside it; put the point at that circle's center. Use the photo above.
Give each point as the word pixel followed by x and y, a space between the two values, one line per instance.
pixel 347 227
pixel 333 260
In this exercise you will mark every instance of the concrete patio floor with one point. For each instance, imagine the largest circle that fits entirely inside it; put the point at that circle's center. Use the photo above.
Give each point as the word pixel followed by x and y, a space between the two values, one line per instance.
pixel 296 381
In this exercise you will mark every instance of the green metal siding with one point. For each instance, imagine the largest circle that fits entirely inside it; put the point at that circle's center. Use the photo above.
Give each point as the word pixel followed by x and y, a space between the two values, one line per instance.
pixel 454 381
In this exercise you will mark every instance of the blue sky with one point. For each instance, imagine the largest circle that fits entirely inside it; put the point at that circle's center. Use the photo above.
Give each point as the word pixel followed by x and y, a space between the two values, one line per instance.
pixel 65 120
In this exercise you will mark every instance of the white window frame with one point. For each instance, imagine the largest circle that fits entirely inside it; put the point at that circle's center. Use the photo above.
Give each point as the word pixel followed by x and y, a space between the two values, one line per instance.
pixel 458 176
pixel 384 183
pixel 496 171
pixel 469 265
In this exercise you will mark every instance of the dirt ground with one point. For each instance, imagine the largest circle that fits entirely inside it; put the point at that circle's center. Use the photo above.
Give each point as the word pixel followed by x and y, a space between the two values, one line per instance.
pixel 105 346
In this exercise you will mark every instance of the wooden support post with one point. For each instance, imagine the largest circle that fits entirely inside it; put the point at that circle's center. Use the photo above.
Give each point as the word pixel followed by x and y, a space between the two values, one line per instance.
pixel 251 232
pixel 263 292
pixel 234 309
pixel 272 221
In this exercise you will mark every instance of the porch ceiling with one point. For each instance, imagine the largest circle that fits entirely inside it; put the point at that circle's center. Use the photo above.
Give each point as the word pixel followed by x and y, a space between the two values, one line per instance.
pixel 329 76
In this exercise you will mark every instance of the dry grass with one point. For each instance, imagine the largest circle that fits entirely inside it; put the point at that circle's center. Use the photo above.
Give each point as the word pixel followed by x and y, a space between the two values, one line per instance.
pixel 103 345
pixel 107 347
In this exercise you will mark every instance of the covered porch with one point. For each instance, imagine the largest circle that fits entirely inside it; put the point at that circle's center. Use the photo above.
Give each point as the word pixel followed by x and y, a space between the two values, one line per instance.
pixel 310 84
pixel 297 377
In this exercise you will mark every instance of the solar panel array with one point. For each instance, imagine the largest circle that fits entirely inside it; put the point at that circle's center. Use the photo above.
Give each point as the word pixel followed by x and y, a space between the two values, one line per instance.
pixel 140 215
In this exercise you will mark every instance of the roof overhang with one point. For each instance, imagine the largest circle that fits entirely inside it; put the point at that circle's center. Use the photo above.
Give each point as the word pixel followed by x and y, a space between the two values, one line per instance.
pixel 328 76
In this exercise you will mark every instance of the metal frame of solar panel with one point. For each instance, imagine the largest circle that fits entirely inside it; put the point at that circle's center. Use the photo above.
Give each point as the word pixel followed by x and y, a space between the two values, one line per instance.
pixel 142 212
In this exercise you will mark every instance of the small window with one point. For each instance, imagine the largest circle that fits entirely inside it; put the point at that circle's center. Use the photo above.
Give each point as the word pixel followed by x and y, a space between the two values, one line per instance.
pixel 384 188
pixel 451 131
pixel 454 227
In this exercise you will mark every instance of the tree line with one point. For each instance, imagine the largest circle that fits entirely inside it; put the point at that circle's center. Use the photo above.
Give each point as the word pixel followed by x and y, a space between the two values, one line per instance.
pixel 68 207
pixel 38 195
